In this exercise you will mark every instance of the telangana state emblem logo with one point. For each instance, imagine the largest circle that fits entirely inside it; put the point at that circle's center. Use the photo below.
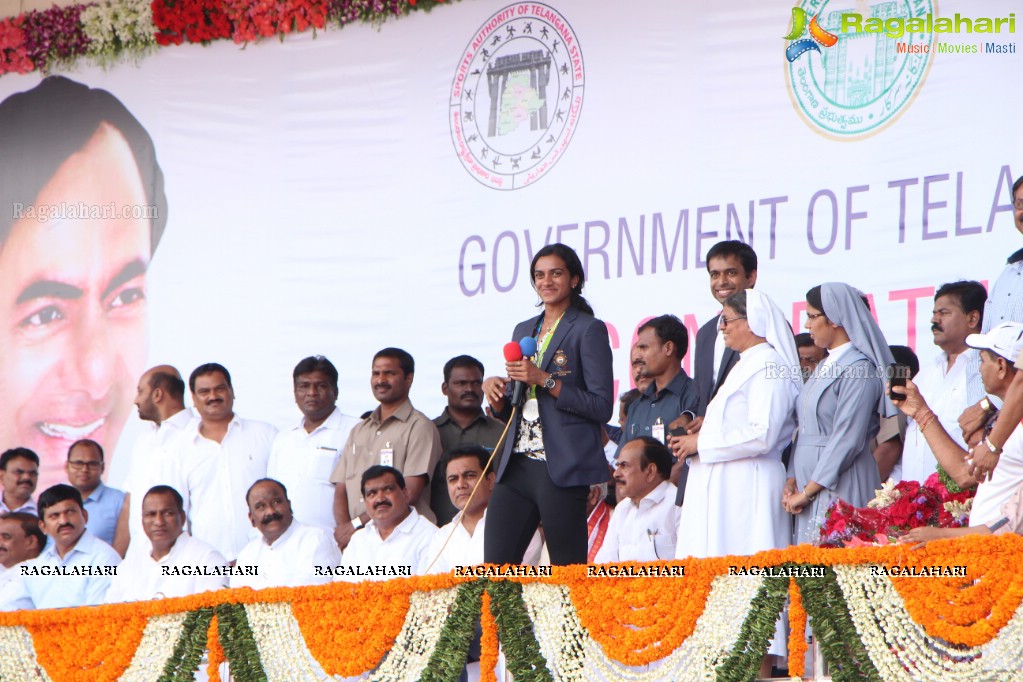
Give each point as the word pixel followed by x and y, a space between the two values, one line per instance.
pixel 863 80
pixel 516 96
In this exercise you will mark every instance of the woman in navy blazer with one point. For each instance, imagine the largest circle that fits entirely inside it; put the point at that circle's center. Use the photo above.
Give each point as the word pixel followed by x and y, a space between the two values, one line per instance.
pixel 553 451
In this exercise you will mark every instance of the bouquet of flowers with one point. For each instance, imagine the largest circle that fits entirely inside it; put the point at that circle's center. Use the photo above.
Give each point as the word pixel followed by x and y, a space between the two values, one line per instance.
pixel 896 509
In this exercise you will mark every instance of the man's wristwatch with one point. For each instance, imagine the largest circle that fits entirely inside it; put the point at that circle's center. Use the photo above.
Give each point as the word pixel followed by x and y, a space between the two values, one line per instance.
pixel 357 523
pixel 986 405
pixel 991 446
pixel 550 383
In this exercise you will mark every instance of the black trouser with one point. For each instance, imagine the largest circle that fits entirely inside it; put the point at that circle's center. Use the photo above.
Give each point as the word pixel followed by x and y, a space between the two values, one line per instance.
pixel 523 498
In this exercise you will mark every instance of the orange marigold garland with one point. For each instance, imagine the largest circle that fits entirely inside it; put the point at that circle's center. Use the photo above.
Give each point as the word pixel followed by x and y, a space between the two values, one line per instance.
pixel 215 652
pixel 488 642
pixel 797 631
pixel 970 609
pixel 110 643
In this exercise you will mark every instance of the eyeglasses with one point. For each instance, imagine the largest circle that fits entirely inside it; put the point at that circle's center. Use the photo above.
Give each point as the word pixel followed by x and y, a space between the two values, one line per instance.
pixel 723 321
pixel 78 465
pixel 814 316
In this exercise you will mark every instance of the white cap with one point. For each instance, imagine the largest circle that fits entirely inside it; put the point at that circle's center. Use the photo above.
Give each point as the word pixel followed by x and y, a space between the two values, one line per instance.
pixel 1005 340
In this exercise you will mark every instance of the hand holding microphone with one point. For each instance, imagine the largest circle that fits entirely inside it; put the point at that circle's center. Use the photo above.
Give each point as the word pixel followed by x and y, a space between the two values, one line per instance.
pixel 517 357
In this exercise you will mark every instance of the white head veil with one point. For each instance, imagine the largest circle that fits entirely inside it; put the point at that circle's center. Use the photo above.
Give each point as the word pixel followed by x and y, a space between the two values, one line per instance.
pixel 843 305
pixel 768 321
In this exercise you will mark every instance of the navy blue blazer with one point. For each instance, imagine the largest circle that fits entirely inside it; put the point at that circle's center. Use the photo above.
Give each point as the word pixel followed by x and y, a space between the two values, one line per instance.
pixel 703 367
pixel 579 356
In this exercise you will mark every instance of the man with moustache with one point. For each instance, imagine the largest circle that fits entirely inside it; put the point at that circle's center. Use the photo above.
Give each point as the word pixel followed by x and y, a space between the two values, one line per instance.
pixel 644 526
pixel 176 564
pixel 810 354
pixel 395 434
pixel 75 569
pixel 222 456
pixel 21 539
pixel 951 381
pixel 160 400
pixel 661 345
pixel 397 538
pixel 288 553
pixel 303 457
pixel 105 505
pixel 19 473
pixel 463 422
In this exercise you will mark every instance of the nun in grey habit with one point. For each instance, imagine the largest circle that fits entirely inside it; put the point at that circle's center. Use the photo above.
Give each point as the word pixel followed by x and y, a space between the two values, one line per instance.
pixel 838 410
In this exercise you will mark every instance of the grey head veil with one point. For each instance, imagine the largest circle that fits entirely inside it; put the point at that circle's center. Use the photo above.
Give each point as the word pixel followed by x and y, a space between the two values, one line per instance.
pixel 843 306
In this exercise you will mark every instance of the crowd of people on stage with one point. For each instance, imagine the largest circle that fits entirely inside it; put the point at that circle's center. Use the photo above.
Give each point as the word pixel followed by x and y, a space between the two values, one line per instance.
pixel 746 455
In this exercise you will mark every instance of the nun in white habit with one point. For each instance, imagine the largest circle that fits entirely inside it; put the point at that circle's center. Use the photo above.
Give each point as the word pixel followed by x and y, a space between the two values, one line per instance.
pixel 731 501
pixel 838 410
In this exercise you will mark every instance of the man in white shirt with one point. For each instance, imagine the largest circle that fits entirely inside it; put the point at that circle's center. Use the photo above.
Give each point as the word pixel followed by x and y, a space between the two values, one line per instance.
pixel 644 526
pixel 460 542
pixel 303 457
pixel 951 382
pixel 160 400
pixel 396 539
pixel 223 455
pixel 176 565
pixel 76 568
pixel 288 553
pixel 19 474
pixel 999 349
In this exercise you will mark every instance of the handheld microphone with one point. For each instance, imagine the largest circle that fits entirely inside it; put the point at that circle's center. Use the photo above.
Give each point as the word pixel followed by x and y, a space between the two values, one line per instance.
pixel 516 351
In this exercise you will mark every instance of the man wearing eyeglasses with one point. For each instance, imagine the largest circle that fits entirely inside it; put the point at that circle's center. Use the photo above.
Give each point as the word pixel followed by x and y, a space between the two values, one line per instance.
pixel 19 475
pixel 84 468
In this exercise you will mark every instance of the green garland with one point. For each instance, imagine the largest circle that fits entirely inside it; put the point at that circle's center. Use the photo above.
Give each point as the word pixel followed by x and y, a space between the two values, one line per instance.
pixel 515 631
pixel 448 658
pixel 949 482
pixel 834 629
pixel 743 662
pixel 238 643
pixel 183 663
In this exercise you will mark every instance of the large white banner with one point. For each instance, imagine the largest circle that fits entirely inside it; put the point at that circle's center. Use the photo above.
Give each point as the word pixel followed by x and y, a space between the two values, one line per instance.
pixel 388 186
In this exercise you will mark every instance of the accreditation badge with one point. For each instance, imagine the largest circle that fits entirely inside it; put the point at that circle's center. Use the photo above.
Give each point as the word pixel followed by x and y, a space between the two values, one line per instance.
pixel 531 410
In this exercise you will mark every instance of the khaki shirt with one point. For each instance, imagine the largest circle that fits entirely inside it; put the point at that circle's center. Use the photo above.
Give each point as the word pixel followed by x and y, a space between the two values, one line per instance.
pixel 415 446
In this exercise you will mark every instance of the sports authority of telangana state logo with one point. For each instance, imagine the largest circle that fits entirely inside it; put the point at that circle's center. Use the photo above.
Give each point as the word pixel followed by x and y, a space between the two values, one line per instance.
pixel 850 83
pixel 516 96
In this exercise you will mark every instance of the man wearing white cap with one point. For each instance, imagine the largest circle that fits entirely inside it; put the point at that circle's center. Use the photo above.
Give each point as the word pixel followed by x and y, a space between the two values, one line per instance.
pixel 999 349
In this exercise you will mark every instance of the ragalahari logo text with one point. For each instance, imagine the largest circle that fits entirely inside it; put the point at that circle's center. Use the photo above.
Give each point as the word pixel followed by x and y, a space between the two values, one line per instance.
pixel 818 36
pixel 516 96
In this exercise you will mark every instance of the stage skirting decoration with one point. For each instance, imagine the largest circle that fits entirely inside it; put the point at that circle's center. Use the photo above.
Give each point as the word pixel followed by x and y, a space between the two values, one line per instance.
pixel 951 611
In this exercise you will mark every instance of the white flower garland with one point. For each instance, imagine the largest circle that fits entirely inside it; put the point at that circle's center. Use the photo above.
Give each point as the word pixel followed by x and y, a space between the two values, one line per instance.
pixel 118 30
pixel 573 655
pixel 18 656
pixel 1005 652
pixel 156 648
pixel 899 647
pixel 282 649
pixel 415 644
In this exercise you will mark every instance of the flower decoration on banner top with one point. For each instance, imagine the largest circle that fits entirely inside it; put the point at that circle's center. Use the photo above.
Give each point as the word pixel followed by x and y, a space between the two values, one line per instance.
pixel 895 510
pixel 111 31
pixel 570 625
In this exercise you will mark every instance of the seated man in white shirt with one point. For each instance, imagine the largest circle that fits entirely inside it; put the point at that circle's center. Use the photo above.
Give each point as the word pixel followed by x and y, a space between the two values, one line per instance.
pixel 77 567
pixel 288 553
pixel 460 543
pixel 396 539
pixel 176 564
pixel 21 539
pixel 644 526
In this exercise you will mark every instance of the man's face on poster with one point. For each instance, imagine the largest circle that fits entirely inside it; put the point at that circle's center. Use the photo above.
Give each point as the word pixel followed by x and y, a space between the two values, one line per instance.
pixel 73 306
